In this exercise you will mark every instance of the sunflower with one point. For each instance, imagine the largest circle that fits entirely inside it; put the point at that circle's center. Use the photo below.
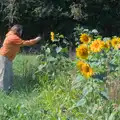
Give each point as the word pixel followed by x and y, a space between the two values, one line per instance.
pixel 115 42
pixel 85 38
pixel 107 44
pixel 79 64
pixel 82 51
pixel 86 70
pixel 97 45
pixel 52 36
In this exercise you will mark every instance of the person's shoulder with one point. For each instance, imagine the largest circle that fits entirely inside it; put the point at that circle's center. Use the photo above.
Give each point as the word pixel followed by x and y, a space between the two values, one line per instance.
pixel 12 39
pixel 12 35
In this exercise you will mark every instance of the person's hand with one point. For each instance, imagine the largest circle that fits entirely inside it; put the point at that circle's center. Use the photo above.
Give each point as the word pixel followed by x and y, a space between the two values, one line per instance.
pixel 38 38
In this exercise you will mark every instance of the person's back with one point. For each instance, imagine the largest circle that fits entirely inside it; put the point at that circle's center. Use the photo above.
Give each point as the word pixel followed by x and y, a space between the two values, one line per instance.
pixel 8 51
pixel 13 42
pixel 11 46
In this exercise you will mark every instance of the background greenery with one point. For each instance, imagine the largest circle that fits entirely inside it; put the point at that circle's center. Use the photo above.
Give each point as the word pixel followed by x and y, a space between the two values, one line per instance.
pixel 43 16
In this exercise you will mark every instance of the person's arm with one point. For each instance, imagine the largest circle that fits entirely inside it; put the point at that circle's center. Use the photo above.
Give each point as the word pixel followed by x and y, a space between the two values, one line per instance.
pixel 30 42
pixel 19 41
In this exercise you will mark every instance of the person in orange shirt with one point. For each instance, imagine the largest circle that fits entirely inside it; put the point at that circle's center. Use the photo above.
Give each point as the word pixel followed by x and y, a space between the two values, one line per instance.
pixel 11 46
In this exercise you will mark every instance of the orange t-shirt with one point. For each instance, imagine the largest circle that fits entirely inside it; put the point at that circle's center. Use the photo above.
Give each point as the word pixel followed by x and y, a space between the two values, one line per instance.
pixel 11 45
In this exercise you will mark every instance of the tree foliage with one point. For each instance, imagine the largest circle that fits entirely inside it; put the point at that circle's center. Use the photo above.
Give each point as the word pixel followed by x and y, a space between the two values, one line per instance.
pixel 62 15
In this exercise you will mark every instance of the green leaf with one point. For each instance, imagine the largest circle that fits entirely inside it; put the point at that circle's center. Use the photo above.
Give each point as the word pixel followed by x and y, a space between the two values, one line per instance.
pixel 40 67
pixel 81 102
pixel 61 36
pixel 48 50
pixel 104 95
pixel 112 116
pixel 50 59
pixel 87 90
pixel 58 49
pixel 65 50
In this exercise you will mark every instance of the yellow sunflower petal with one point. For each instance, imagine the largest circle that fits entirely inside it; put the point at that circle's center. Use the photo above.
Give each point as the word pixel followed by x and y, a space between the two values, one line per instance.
pixel 79 64
pixel 107 44
pixel 82 51
pixel 97 45
pixel 85 38
pixel 52 36
pixel 115 42
pixel 86 70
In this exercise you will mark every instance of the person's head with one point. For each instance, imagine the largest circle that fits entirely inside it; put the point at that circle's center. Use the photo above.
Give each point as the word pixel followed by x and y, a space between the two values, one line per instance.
pixel 17 29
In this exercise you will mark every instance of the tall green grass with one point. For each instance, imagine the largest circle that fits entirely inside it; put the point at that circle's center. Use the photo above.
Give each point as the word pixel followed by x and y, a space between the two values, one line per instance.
pixel 29 100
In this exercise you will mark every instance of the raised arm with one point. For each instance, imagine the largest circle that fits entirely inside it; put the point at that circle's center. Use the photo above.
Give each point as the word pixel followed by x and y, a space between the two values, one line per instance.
pixel 18 41
pixel 30 42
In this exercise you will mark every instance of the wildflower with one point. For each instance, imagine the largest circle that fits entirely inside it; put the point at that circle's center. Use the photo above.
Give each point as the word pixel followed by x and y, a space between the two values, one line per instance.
pixel 82 51
pixel 86 70
pixel 52 36
pixel 115 42
pixel 85 38
pixel 97 45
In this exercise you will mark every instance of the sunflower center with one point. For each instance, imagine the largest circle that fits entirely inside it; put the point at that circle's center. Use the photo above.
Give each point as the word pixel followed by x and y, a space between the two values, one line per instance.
pixel 106 45
pixel 84 51
pixel 96 45
pixel 86 38
pixel 115 42
pixel 86 69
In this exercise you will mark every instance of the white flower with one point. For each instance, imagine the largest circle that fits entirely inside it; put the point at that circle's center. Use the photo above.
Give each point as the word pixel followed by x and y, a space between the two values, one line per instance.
pixel 94 31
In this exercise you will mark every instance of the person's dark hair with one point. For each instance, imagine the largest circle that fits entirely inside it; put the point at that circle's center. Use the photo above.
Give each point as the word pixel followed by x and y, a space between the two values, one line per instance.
pixel 17 29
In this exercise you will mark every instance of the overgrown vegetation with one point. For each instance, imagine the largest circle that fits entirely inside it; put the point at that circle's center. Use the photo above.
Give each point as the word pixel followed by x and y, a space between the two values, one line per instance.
pixel 48 85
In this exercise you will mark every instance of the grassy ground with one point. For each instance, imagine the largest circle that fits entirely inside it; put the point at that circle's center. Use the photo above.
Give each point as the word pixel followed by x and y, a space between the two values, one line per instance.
pixel 30 101
pixel 24 90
